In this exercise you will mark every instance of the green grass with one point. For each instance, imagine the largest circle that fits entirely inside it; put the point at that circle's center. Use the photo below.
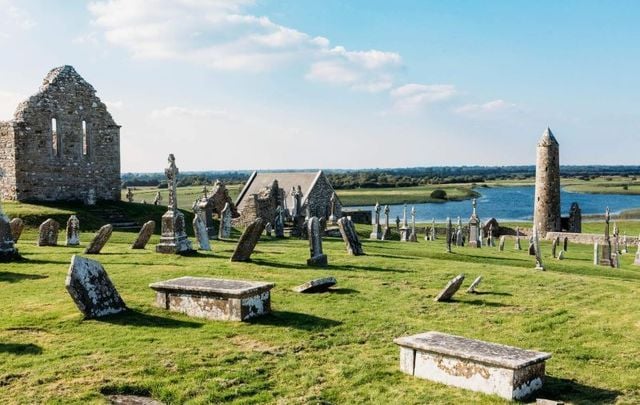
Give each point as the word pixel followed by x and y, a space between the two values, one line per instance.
pixel 399 195
pixel 186 195
pixel 322 348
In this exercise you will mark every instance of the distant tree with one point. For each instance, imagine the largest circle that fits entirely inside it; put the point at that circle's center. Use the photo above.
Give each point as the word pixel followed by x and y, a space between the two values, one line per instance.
pixel 439 194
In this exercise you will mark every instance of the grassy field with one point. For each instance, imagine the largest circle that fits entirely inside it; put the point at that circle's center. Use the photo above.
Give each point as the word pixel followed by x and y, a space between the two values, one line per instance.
pixel 324 348
pixel 186 195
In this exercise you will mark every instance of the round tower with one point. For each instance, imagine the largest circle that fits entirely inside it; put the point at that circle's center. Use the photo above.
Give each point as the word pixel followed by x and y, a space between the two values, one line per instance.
pixel 547 198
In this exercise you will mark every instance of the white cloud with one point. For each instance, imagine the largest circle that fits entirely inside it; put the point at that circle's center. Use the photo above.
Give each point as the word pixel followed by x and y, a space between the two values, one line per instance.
pixel 413 96
pixel 183 112
pixel 14 18
pixel 219 34
pixel 489 108
pixel 114 105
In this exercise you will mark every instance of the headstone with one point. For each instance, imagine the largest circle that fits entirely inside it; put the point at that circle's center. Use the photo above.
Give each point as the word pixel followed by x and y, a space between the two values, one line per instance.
pixel 174 234
pixel 73 231
pixel 518 246
pixel 532 248
pixel 268 229
pixel 615 260
pixel 317 285
pixel 501 243
pixel 450 289
pixel 317 258
pixel 575 218
pixel 404 229
pixel 386 232
pixel 278 222
pixel 248 241
pixel 215 299
pixel 625 246
pixel 434 235
pixel 561 255
pixel 459 237
pixel 17 226
pixel 596 253
pixel 158 198
pixel 605 259
pixel 8 251
pixel 474 227
pixel 474 285
pixel 566 244
pixel 616 238
pixel 129 194
pixel 449 234
pixel 506 371
pixel 332 216
pixel 554 247
pixel 490 242
pixel 225 222
pixel 99 240
pixel 376 232
pixel 637 259
pixel 91 289
pixel 398 223
pixel 144 235
pixel 200 230
pixel 48 233
pixel 413 237
pixel 536 245
pixel 350 236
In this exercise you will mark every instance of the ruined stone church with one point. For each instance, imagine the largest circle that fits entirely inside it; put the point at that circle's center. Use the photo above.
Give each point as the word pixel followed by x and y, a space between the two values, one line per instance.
pixel 61 145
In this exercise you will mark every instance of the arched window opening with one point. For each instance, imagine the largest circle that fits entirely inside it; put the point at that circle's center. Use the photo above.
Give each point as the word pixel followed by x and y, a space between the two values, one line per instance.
pixel 85 139
pixel 54 137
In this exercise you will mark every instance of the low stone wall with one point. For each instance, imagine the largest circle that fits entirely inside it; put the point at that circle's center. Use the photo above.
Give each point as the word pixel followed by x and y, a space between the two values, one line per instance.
pixel 585 238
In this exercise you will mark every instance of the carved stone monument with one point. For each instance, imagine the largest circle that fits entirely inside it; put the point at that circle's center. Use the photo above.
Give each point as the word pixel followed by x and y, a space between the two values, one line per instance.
pixel 317 258
pixel 91 289
pixel 17 226
pixel 8 251
pixel 144 235
pixel 101 239
pixel 73 231
pixel 474 227
pixel 386 232
pixel 605 258
pixel 248 241
pixel 225 223
pixel 200 230
pixel 350 236
pixel 450 289
pixel 174 234
pixel 332 216
pixel 48 233
pixel 413 237
pixel 376 232
pixel 404 229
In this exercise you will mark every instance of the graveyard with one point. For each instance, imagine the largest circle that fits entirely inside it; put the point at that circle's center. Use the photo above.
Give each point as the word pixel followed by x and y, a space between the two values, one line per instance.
pixel 335 346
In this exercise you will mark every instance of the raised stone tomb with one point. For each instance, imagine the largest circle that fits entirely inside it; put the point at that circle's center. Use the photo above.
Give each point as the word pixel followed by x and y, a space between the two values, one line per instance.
pixel 215 299
pixel 491 368
pixel 317 285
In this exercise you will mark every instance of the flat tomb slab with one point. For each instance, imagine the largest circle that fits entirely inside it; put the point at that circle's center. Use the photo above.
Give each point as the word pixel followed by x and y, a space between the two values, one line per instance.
pixel 491 368
pixel 216 299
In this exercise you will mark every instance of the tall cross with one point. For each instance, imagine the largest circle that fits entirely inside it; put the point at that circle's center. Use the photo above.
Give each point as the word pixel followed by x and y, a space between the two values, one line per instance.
pixel 172 174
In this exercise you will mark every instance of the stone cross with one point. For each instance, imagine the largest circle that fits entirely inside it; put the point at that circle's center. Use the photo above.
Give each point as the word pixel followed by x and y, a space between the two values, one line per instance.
pixel 129 194
pixel 172 182
pixel 474 227
pixel 386 232
pixel 332 216
pixel 449 234
pixel 536 244
pixel 73 231
pixel 412 236
pixel 317 258
pixel 404 230
pixel 174 236
pixel 404 216
pixel 376 232
pixel 605 259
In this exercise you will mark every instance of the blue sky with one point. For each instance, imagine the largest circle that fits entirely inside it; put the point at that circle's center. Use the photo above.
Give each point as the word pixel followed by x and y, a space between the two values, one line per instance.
pixel 336 84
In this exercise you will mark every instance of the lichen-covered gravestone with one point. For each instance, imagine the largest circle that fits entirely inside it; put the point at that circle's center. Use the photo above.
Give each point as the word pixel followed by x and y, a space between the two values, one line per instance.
pixel 17 225
pixel 48 233
pixel 501 243
pixel 248 241
pixel 450 289
pixel 561 255
pixel 101 239
pixel 91 289
pixel 637 259
pixel 474 285
pixel 8 251
pixel 174 235
pixel 73 231
pixel 144 235
pixel 554 247
pixel 350 236
pixel 566 243
pixel 200 229
pixel 225 222
pixel 317 285
pixel 315 244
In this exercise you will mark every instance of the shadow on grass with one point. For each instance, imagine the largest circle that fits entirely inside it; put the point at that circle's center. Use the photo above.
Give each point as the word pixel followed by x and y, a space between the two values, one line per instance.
pixel 394 256
pixel 492 293
pixel 479 303
pixel 30 260
pixel 342 291
pixel 20 348
pixel 295 320
pixel 277 265
pixel 561 389
pixel 10 277
pixel 136 318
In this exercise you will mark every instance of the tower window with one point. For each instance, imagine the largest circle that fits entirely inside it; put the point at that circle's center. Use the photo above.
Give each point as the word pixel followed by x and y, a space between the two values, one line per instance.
pixel 55 140
pixel 85 139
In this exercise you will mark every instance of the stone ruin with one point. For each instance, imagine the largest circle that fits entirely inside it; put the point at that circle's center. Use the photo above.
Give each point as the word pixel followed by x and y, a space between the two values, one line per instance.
pixel 61 145
pixel 212 204
pixel 262 204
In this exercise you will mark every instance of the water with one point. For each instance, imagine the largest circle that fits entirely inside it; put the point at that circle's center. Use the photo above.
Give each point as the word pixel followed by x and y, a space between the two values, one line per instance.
pixel 512 204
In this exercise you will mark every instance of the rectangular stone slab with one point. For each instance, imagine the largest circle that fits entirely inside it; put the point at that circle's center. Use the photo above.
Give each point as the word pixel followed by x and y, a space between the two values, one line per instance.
pixel 217 299
pixel 509 372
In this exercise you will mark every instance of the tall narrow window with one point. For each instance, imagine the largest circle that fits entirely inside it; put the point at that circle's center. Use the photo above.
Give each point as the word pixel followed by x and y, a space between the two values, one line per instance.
pixel 85 139
pixel 54 137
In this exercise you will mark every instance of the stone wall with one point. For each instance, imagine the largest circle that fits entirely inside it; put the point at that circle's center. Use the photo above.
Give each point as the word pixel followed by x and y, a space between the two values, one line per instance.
pixel 66 143
pixel 587 238
pixel 7 162
pixel 319 200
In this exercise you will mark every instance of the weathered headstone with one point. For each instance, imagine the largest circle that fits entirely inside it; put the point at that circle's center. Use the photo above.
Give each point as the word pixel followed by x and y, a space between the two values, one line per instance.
pixel 8 251
pixel 404 229
pixel 225 222
pixel 449 234
pixel 637 259
pixel 17 226
pixel 474 227
pixel 48 233
pixel 376 232
pixel 350 236
pixel 200 230
pixel 174 234
pixel 474 285
pixel 91 289
pixel 566 244
pixel 317 258
pixel 332 215
pixel 536 245
pixel 413 236
pixel 605 259
pixel 450 289
pixel 129 194
pixel 248 241
pixel 518 246
pixel 554 247
pixel 98 242
pixel 73 231
pixel 386 232
pixel 561 255
pixel 490 242
pixel 144 235
pixel 501 243
pixel 596 253
pixel 278 222
pixel 317 285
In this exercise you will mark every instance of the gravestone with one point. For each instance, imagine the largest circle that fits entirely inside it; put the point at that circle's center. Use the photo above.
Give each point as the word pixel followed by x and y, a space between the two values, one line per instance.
pixel 413 237
pixel 518 246
pixel 200 230
pixel 8 251
pixel 450 289
pixel 386 232
pixel 268 229
pixel 225 222
pixel 98 242
pixel 596 253
pixel 279 222
pixel 490 242
pixel 625 246
pixel 566 244
pixel 637 259
pixel 248 241
pixel 501 243
pixel 532 248
pixel 48 233
pixel 605 258
pixel 157 199
pixel 317 285
pixel 404 229
pixel 376 232
pixel 615 260
pixel 129 194
pixel 173 238
pixel 449 234
pixel 536 245
pixel 434 235
pixel 350 236
pixel 332 206
pixel 215 299
pixel 474 285
pixel 17 226
pixel 144 235
pixel 459 238
pixel 91 289
pixel 554 247
pixel 73 231
pixel 317 258
pixel 561 255
pixel 474 227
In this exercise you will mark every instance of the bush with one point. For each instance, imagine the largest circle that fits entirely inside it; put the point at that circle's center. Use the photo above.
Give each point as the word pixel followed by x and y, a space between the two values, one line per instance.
pixel 439 194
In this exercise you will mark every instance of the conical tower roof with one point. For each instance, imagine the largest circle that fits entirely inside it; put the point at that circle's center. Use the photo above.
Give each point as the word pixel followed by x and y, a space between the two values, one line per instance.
pixel 547 139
